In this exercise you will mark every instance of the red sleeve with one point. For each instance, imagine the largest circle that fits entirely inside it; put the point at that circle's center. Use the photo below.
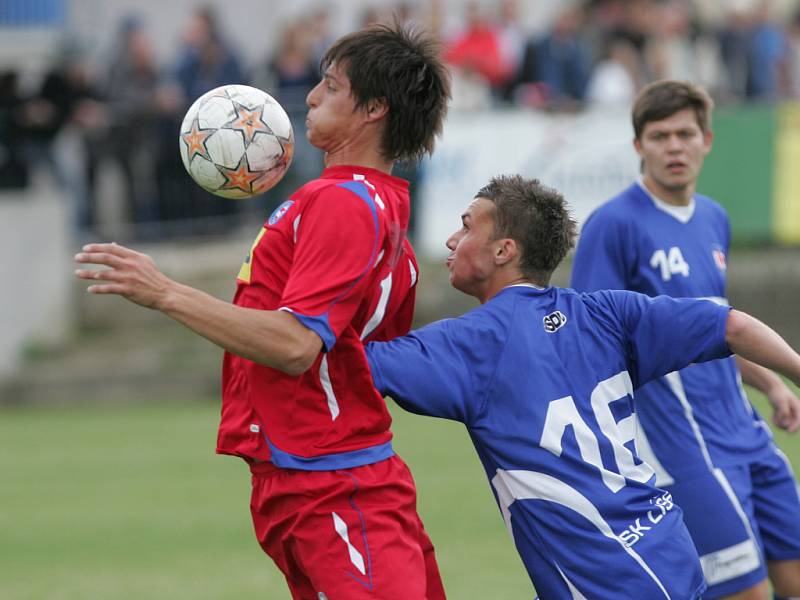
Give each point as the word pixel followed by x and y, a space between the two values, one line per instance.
pixel 338 240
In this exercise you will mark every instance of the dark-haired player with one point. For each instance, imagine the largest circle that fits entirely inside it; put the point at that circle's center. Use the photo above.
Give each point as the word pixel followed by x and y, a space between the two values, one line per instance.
pixel 544 380
pixel 332 504
pixel 709 447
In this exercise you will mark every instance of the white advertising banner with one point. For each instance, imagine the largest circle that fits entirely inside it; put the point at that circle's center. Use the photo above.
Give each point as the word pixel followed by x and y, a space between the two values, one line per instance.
pixel 588 157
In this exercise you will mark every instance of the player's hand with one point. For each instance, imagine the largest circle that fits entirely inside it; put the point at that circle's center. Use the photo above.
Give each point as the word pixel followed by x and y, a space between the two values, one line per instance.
pixel 785 406
pixel 128 273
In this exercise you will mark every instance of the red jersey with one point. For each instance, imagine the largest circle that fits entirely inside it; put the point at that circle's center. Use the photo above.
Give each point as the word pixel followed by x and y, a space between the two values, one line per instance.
pixel 336 256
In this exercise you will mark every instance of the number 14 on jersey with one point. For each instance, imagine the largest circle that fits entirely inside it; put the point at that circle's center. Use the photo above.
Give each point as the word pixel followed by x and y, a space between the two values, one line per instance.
pixel 670 262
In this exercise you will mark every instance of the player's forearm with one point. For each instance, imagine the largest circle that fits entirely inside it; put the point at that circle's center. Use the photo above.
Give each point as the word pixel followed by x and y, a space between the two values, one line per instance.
pixel 757 376
pixel 272 338
pixel 753 340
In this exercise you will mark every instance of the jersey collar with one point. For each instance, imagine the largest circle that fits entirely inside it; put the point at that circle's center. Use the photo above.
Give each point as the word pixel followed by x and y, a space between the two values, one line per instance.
pixel 680 213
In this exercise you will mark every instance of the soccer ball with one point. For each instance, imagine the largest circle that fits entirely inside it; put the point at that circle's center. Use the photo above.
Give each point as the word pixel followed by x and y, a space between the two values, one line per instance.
pixel 236 141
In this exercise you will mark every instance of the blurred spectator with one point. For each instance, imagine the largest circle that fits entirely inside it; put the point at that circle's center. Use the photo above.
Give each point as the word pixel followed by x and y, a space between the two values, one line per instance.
pixel 754 50
pixel 13 167
pixel 560 62
pixel 63 121
pixel 767 53
pixel 206 61
pixel 734 42
pixel 511 38
pixel 793 64
pixel 135 100
pixel 616 79
pixel 321 36
pixel 680 49
pixel 477 57
pixel 637 23
pixel 289 77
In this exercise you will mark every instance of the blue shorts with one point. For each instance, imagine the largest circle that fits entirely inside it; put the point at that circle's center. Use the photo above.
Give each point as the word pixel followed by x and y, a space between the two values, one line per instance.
pixel 739 518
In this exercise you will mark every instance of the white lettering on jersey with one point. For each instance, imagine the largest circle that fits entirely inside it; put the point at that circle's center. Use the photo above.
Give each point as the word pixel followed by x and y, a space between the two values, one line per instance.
pixel 554 321
pixel 639 528
pixel 619 432
pixel 563 412
pixel 670 262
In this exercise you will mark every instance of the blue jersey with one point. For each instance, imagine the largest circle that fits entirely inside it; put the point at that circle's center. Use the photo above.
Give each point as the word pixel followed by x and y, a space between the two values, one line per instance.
pixel 544 380
pixel 698 417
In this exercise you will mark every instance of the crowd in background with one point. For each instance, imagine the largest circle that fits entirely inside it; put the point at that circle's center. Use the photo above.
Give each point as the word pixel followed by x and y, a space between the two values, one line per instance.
pixel 127 108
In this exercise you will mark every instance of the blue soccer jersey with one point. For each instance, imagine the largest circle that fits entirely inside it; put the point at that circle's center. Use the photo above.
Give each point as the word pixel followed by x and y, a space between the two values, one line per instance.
pixel 544 380
pixel 698 417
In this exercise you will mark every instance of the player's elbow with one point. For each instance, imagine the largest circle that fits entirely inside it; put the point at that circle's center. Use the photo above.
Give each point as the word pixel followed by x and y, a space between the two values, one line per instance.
pixel 736 327
pixel 300 355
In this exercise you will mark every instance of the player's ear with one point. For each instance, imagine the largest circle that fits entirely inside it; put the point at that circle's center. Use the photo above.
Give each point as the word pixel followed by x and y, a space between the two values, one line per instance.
pixel 376 109
pixel 505 251
pixel 708 138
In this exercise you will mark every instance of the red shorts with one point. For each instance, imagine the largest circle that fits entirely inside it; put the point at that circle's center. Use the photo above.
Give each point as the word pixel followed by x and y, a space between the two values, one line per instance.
pixel 349 534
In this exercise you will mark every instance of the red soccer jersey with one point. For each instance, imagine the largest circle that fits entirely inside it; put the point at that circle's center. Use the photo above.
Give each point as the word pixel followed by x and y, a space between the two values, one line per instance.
pixel 335 255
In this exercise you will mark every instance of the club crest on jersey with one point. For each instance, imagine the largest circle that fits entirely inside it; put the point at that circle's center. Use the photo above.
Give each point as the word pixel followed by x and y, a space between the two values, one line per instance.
pixel 278 213
pixel 719 259
pixel 554 321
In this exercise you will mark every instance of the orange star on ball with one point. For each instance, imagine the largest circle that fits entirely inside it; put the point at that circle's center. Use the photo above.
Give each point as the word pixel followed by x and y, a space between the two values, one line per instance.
pixel 240 177
pixel 195 140
pixel 249 122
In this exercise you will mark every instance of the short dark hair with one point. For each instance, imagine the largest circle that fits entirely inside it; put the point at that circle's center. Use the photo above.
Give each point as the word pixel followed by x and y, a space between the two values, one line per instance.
pixel 536 217
pixel 403 67
pixel 662 99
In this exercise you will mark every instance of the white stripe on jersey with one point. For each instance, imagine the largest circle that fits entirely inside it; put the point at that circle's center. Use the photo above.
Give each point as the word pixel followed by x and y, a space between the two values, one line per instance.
pixel 530 485
pixel 716 300
pixel 645 452
pixel 378 200
pixel 785 459
pixel 676 385
pixel 377 260
pixel 576 594
pixel 413 272
pixel 380 309
pixel 296 224
pixel 355 556
pixel 747 566
pixel 325 380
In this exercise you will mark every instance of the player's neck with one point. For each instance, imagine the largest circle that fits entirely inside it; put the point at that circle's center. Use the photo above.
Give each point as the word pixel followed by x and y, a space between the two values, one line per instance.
pixel 372 160
pixel 362 149
pixel 674 196
pixel 500 282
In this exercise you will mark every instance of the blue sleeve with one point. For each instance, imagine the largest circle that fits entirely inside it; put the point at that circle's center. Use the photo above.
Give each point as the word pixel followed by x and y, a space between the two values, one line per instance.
pixel 601 257
pixel 440 370
pixel 665 334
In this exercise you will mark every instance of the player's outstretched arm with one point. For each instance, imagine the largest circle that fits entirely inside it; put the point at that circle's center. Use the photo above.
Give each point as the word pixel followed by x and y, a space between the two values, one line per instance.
pixel 753 340
pixel 272 338
pixel 785 403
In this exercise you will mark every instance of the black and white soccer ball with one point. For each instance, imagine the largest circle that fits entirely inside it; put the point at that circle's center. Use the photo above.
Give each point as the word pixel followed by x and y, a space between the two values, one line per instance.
pixel 236 141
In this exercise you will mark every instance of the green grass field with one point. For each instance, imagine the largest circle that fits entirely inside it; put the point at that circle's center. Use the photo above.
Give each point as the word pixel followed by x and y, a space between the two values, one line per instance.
pixel 130 502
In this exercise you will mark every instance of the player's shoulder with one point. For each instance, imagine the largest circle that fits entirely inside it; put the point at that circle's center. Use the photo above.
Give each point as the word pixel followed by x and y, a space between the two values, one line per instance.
pixel 605 302
pixel 708 205
pixel 620 209
pixel 489 321
pixel 337 196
